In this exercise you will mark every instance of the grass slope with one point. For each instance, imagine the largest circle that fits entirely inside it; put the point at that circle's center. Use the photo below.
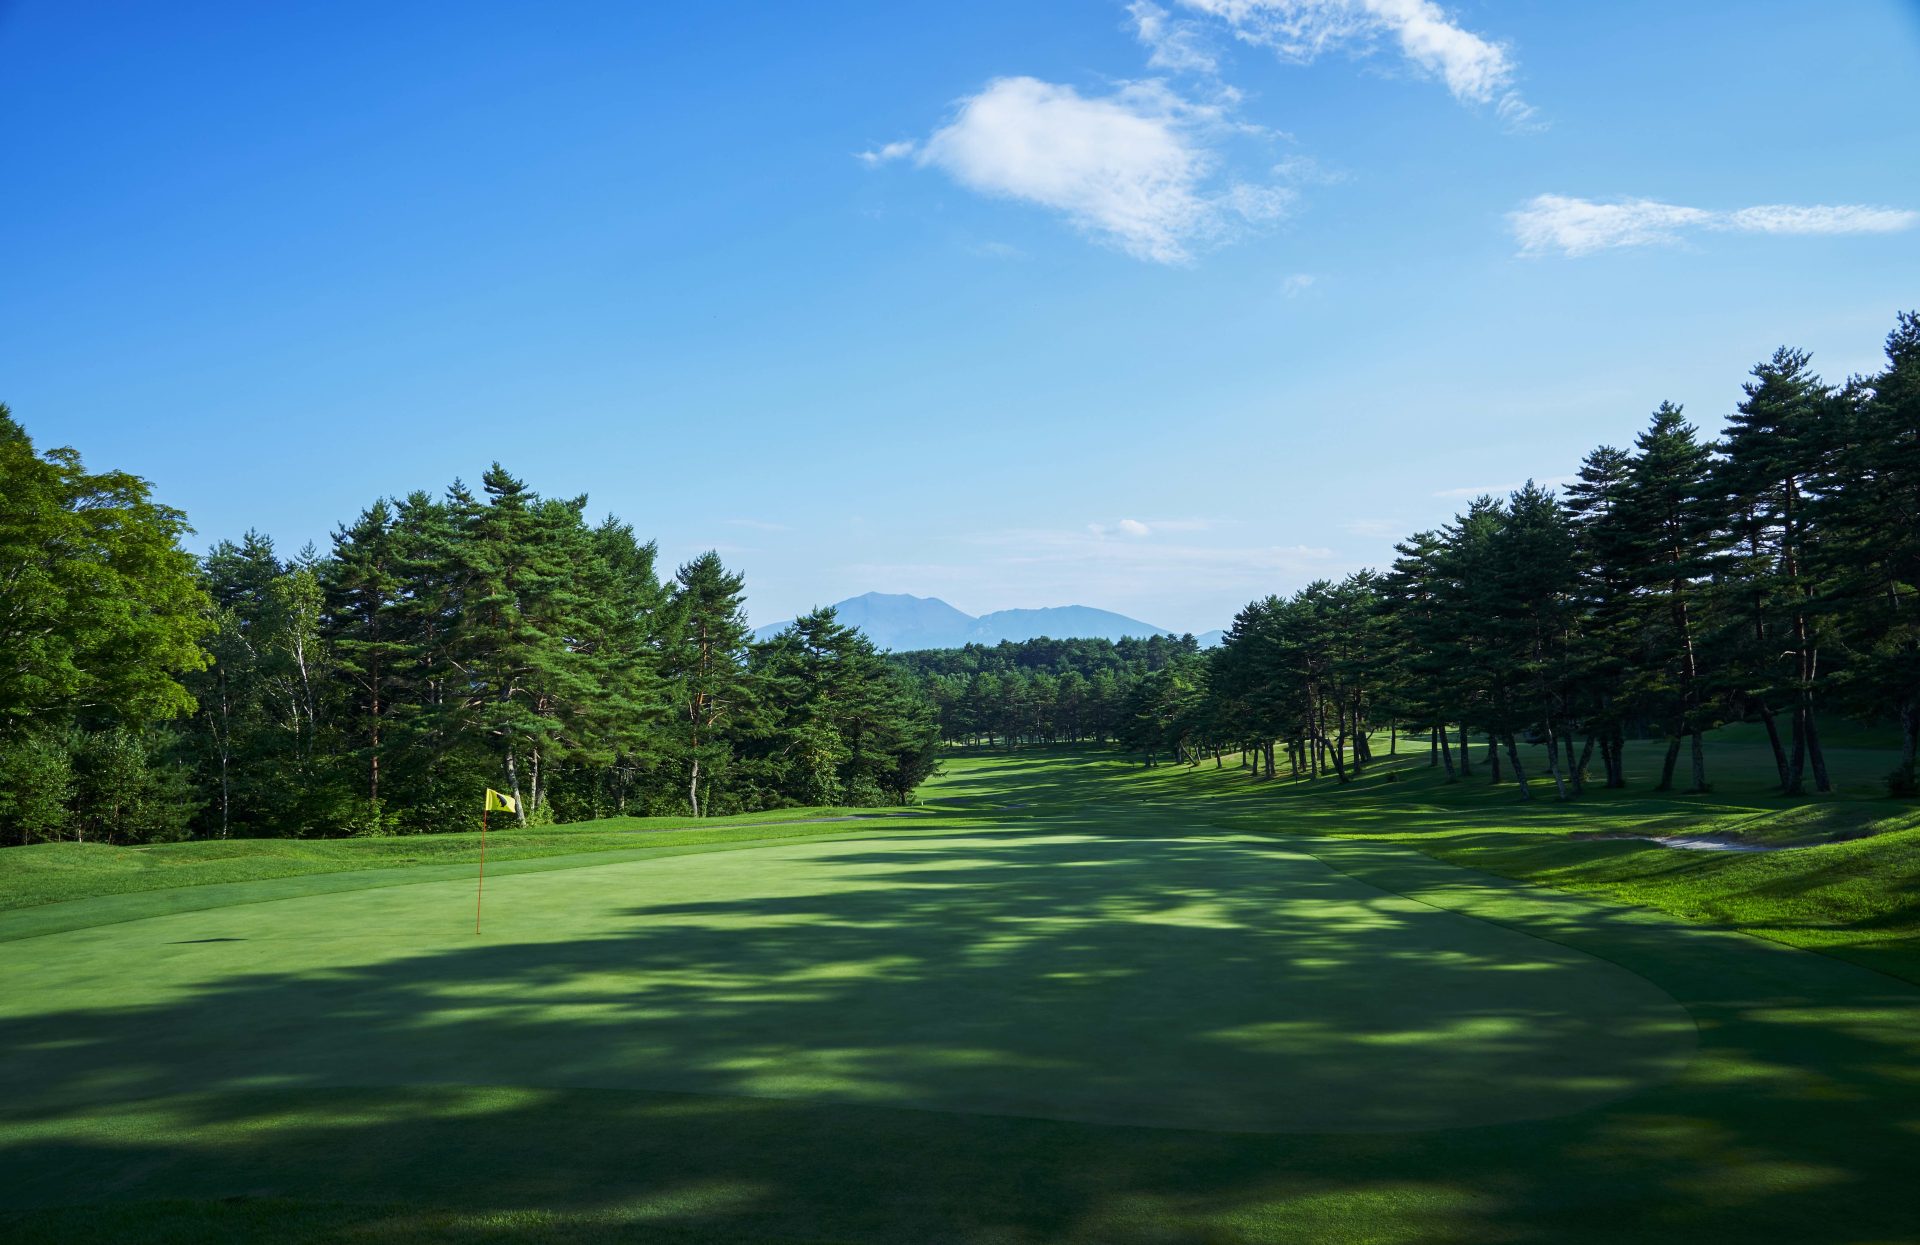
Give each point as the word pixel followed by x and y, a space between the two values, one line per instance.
pixel 53 872
pixel 1078 1001
pixel 1848 885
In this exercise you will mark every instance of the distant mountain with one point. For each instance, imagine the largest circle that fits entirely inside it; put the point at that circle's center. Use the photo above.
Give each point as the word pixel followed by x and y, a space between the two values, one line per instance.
pixel 1211 639
pixel 898 621
pixel 903 623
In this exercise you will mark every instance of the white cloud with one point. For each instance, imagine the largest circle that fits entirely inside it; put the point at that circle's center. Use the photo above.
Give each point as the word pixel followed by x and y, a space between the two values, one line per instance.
pixel 1137 528
pixel 1305 169
pixel 886 152
pixel 1297 284
pixel 1174 45
pixel 1137 168
pixel 1475 69
pixel 1574 226
pixel 1581 226
pixel 1844 218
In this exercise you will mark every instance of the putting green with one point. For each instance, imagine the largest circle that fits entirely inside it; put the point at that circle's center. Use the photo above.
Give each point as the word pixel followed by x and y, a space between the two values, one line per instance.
pixel 1205 982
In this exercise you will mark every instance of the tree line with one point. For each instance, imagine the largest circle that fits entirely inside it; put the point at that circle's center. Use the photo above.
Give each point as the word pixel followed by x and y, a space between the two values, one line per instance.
pixel 440 645
pixel 1769 575
pixel 1037 691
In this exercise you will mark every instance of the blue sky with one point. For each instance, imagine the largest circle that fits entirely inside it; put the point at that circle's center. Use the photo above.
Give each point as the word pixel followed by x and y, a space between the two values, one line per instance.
pixel 1151 307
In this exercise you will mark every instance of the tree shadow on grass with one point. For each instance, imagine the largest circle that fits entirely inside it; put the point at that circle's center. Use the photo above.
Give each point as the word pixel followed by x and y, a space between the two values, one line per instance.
pixel 748 1061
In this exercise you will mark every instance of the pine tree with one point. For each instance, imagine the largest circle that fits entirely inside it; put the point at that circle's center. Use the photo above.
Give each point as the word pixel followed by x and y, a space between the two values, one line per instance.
pixel 366 633
pixel 1671 541
pixel 525 685
pixel 705 670
pixel 1774 449
pixel 1872 511
pixel 621 633
pixel 1603 643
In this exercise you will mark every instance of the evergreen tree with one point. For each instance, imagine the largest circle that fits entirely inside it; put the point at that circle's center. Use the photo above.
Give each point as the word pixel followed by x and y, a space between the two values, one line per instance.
pixel 1671 542
pixel 1774 446
pixel 1603 645
pixel 705 670
pixel 1871 509
pixel 363 594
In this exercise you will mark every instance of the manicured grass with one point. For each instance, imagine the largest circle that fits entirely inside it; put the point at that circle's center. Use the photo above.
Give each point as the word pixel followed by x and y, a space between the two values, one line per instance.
pixel 1849 885
pixel 1077 1000
pixel 52 872
pixel 1258 991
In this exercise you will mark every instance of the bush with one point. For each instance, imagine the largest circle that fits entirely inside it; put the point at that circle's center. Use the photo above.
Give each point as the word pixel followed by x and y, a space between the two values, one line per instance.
pixel 123 793
pixel 36 786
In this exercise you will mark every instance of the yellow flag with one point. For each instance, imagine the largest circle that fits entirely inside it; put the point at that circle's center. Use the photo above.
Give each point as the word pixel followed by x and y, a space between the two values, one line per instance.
pixel 497 803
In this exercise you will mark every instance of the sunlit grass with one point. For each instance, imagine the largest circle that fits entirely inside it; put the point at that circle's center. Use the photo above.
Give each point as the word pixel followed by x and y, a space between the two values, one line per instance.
pixel 1849 884
pixel 52 872
pixel 1071 999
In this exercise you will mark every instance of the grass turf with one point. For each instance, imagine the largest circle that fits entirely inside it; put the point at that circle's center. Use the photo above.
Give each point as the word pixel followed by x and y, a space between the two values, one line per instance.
pixel 46 873
pixel 1080 1001
pixel 1848 884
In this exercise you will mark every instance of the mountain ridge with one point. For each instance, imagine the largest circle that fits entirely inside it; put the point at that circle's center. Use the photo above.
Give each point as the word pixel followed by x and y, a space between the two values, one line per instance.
pixel 902 622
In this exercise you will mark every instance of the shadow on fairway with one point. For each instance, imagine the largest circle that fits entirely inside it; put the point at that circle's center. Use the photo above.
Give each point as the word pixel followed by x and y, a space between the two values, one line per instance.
pixel 1196 985
pixel 1188 983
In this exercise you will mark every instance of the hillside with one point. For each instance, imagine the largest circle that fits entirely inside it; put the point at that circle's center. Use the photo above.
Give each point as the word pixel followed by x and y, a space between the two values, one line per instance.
pixel 904 623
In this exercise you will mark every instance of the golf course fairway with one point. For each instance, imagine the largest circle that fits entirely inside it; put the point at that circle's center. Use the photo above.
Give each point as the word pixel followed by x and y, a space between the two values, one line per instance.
pixel 1002 1017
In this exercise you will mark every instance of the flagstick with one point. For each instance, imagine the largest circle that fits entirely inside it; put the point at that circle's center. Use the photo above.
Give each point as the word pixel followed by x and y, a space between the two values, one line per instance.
pixel 482 887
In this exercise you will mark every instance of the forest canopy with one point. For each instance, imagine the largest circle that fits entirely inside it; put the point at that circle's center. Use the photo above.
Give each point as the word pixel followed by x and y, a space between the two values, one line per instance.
pixel 446 643
pixel 440 646
pixel 1769 575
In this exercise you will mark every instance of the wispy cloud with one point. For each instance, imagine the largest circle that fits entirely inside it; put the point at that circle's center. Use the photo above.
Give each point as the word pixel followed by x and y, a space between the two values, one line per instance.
pixel 887 151
pixel 1573 226
pixel 1173 44
pixel 1138 528
pixel 1297 284
pixel 1305 170
pixel 1476 70
pixel 1845 218
pixel 1139 168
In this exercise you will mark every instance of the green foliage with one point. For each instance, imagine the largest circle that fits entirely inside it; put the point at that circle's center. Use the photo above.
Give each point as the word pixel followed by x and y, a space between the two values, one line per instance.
pixel 1037 691
pixel 1451 1055
pixel 99 612
pixel 36 786
pixel 440 646
pixel 125 791
pixel 1678 586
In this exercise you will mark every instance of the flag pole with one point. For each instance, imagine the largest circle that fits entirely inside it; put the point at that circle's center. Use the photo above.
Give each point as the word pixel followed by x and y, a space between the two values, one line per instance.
pixel 481 888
